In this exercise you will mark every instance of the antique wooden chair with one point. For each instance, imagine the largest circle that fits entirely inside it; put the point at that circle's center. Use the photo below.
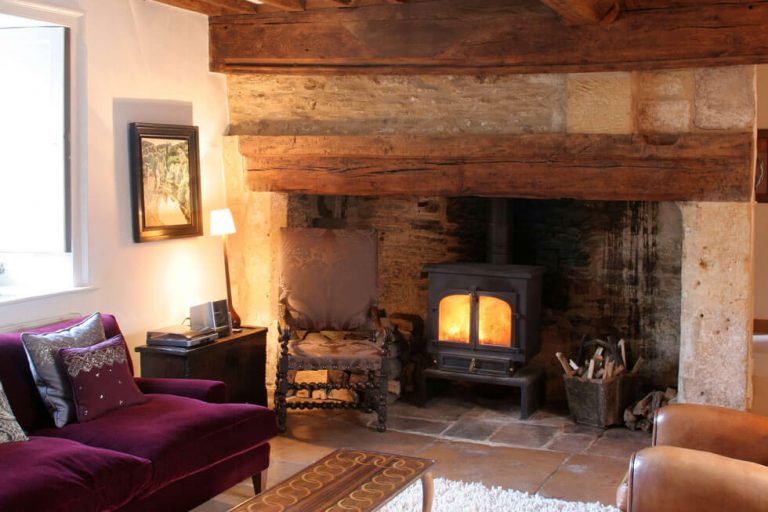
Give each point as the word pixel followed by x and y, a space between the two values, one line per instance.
pixel 330 320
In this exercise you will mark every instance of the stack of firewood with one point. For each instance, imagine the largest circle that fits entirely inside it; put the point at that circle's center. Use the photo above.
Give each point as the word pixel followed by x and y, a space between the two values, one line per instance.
pixel 640 415
pixel 600 365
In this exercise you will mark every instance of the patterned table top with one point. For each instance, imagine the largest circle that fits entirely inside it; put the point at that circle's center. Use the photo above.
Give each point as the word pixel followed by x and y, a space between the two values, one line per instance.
pixel 345 480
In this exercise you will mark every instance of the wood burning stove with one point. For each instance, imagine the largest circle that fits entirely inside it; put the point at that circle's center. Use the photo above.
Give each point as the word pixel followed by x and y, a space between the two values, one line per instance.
pixel 483 318
pixel 483 325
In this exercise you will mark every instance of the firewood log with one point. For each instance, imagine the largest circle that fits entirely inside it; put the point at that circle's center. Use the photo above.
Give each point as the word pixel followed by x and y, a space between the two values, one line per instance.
pixel 564 363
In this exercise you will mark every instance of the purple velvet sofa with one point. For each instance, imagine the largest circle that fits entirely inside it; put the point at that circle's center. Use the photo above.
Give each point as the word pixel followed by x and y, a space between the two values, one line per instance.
pixel 173 452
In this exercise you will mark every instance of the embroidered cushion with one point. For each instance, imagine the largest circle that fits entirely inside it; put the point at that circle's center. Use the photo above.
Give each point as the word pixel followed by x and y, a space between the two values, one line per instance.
pixel 100 378
pixel 50 378
pixel 10 430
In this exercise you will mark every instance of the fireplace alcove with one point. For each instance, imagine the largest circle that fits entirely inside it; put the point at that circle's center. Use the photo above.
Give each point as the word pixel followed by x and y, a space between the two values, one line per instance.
pixel 617 255
pixel 606 268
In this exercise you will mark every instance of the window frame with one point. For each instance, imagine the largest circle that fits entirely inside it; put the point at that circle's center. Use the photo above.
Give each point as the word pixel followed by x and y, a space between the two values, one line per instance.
pixel 75 146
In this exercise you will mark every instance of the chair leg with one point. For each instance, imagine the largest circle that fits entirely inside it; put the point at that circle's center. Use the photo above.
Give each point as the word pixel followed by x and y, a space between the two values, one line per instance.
pixel 381 407
pixel 259 482
pixel 281 392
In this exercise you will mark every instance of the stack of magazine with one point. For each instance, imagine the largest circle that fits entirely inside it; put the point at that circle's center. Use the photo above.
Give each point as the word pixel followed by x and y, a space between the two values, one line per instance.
pixel 181 336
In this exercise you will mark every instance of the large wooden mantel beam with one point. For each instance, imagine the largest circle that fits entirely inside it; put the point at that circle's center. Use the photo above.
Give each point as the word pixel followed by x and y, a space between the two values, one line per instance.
pixel 696 167
pixel 490 36
pixel 580 12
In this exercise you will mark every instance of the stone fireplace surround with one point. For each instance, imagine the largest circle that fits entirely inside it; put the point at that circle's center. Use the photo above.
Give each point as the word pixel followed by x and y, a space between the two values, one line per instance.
pixel 687 265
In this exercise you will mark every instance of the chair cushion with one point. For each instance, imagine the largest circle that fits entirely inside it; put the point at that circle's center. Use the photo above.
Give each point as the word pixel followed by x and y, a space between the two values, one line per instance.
pixel 327 349
pixel 328 278
pixel 47 474
pixel 179 435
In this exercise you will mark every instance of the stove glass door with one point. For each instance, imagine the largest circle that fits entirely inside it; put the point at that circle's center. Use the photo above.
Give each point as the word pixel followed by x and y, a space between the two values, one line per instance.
pixel 454 317
pixel 495 319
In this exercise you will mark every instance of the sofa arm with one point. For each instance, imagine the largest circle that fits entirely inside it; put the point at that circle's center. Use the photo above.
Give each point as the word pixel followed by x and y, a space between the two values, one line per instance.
pixel 728 432
pixel 679 479
pixel 212 391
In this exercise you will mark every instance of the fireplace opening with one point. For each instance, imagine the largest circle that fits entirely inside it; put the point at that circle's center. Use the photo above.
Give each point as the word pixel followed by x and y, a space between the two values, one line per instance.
pixel 609 268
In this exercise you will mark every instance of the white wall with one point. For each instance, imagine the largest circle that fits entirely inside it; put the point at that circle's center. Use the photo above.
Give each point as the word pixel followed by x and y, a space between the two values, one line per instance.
pixel 139 61
pixel 761 209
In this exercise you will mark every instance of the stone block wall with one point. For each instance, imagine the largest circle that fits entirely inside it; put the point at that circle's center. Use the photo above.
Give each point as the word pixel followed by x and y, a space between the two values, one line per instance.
pixel 650 103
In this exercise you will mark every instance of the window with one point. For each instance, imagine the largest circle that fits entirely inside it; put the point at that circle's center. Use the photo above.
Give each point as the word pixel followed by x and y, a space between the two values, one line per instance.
pixel 35 212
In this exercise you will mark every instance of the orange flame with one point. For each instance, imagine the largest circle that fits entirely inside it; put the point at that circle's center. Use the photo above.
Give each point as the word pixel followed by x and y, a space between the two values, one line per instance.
pixel 453 318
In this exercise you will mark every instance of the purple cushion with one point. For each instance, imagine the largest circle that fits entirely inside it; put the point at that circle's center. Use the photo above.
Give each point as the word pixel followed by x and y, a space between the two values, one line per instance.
pixel 179 435
pixel 17 377
pixel 57 474
pixel 42 350
pixel 100 378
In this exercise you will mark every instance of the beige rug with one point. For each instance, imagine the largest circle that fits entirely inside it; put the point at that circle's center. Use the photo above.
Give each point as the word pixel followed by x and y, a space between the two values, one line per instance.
pixel 451 496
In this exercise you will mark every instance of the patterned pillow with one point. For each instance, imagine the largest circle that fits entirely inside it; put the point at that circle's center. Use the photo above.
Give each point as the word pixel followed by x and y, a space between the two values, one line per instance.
pixel 10 430
pixel 100 378
pixel 49 376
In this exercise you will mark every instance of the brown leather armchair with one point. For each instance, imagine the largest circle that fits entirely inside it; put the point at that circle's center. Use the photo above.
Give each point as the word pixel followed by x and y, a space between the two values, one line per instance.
pixel 703 459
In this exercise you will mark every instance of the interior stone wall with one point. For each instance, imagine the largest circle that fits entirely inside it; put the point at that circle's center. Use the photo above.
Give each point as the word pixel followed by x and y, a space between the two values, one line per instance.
pixel 679 101
pixel 612 269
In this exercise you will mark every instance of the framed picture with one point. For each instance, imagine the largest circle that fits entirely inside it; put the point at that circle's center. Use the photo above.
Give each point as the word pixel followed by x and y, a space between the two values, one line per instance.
pixel 165 182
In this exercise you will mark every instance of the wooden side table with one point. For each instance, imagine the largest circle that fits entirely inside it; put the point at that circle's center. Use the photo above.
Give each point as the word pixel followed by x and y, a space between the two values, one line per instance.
pixel 238 360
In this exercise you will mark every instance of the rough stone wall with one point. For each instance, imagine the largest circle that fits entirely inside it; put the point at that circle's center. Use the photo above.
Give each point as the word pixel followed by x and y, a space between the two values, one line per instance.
pixel 612 269
pixel 638 102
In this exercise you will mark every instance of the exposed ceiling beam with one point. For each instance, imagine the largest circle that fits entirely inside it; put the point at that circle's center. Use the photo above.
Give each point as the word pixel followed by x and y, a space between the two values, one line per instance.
pixel 581 12
pixel 697 166
pixel 286 5
pixel 489 37
pixel 214 7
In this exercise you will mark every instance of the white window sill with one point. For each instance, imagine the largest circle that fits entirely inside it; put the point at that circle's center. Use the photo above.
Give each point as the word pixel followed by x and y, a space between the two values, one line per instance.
pixel 17 294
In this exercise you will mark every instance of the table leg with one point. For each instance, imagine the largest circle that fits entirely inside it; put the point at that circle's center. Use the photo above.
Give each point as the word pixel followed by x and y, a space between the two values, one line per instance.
pixel 427 491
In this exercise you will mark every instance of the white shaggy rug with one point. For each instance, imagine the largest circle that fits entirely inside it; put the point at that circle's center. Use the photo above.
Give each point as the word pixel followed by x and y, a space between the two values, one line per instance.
pixel 451 496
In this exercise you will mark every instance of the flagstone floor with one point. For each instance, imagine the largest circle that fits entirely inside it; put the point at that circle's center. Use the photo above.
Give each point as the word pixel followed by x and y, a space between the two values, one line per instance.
pixel 472 438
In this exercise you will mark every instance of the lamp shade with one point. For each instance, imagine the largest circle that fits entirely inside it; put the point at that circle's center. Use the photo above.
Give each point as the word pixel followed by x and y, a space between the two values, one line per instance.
pixel 221 222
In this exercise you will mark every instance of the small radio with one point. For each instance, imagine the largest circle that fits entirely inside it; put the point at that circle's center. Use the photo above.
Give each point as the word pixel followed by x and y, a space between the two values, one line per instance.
pixel 214 315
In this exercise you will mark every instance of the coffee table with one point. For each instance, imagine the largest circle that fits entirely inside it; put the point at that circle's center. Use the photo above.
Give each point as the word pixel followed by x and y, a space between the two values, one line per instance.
pixel 346 480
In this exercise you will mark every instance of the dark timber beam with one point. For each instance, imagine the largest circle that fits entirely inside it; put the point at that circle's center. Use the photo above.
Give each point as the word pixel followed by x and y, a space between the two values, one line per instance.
pixel 582 12
pixel 688 167
pixel 214 7
pixel 489 37
pixel 286 5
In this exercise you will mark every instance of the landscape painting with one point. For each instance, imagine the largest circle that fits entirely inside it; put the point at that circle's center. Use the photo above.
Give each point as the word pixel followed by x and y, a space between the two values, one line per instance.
pixel 166 177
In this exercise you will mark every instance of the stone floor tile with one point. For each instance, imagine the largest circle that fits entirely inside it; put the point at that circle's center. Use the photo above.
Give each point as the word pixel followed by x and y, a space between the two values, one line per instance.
pixel 586 478
pixel 442 408
pixel 286 448
pixel 521 434
pixel 620 443
pixel 511 468
pixel 571 443
pixel 472 429
pixel 575 428
pixel 417 425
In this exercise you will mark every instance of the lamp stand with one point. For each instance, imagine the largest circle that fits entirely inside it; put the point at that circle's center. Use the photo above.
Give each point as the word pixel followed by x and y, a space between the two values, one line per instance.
pixel 232 313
